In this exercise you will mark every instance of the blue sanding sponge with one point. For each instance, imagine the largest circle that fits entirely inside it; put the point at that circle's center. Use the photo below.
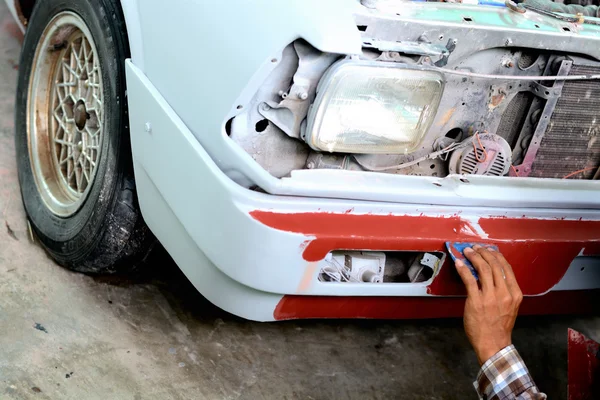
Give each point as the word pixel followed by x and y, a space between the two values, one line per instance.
pixel 456 250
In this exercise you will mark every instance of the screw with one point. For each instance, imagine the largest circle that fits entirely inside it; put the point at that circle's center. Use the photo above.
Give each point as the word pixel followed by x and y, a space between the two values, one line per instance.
pixel 148 127
pixel 507 63
pixel 508 42
pixel 265 107
pixel 79 145
pixel 310 165
pixel 303 95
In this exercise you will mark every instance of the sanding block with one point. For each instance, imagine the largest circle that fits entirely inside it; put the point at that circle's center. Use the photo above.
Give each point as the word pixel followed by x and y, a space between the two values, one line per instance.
pixel 456 250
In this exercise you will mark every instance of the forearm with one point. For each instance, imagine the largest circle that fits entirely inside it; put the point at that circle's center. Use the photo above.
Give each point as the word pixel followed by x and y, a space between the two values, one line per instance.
pixel 505 376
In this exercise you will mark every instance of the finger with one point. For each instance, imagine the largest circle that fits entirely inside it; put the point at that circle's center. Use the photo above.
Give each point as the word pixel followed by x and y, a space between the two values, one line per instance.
pixel 511 280
pixel 482 267
pixel 468 279
pixel 495 264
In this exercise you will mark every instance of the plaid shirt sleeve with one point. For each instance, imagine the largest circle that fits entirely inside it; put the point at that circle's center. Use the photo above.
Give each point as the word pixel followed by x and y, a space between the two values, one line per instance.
pixel 505 377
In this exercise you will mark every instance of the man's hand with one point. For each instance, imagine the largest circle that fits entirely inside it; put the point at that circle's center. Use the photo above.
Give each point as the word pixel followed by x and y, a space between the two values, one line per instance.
pixel 492 305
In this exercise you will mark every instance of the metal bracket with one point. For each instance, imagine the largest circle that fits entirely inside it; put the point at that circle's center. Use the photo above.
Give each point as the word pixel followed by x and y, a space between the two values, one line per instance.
pixel 545 92
pixel 534 145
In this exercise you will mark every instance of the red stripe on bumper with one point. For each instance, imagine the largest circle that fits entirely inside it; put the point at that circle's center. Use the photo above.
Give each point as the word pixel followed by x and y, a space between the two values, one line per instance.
pixel 539 250
pixel 297 307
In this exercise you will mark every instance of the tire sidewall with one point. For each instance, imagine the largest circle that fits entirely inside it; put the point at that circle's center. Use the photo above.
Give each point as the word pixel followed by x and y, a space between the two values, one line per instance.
pixel 76 235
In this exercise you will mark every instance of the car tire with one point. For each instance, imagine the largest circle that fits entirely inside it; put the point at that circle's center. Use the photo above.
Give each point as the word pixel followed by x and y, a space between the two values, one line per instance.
pixel 72 139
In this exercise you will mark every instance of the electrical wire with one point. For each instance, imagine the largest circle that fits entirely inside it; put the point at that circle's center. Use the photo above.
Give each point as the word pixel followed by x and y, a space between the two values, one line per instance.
pixel 578 172
pixel 485 154
pixel 429 156
pixel 514 170
pixel 520 77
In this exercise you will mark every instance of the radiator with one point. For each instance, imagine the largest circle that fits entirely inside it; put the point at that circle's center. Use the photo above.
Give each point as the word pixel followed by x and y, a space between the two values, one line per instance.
pixel 572 139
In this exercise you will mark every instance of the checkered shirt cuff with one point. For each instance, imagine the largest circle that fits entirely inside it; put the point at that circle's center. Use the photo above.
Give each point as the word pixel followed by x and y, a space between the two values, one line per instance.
pixel 505 376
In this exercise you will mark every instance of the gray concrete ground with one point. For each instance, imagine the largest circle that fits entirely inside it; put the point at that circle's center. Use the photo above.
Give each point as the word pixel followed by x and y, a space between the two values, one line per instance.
pixel 153 336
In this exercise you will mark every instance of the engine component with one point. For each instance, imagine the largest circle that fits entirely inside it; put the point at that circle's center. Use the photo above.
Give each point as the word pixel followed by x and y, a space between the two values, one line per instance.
pixel 489 154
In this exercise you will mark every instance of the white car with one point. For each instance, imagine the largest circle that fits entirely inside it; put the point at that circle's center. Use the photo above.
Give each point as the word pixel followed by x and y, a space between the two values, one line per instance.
pixel 311 158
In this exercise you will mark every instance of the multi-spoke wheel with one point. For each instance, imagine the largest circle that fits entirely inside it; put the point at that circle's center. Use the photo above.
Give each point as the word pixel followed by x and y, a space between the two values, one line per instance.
pixel 71 136
pixel 69 79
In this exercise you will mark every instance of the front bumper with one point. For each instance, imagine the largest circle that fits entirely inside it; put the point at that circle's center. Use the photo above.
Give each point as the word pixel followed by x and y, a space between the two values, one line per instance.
pixel 245 250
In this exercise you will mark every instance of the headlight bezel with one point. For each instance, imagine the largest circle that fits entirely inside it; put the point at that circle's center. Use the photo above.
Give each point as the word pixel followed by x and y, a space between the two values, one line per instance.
pixel 317 110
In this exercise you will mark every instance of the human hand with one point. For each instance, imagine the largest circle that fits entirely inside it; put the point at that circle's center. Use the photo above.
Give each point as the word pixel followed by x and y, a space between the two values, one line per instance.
pixel 492 305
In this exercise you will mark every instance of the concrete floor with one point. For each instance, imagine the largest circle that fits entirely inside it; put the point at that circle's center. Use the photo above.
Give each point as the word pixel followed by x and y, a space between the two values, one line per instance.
pixel 152 336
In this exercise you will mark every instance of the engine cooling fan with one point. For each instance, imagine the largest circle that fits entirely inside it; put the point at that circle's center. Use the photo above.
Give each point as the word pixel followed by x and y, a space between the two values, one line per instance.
pixel 484 154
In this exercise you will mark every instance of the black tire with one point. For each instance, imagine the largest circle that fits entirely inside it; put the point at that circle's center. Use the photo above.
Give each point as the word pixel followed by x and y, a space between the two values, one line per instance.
pixel 107 233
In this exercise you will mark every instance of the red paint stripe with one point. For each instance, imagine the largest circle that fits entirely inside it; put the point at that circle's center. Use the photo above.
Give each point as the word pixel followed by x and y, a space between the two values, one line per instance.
pixel 540 257
pixel 541 229
pixel 367 231
pixel 298 307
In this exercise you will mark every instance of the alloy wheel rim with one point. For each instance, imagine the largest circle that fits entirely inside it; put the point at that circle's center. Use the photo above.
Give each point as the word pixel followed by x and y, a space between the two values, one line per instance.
pixel 65 114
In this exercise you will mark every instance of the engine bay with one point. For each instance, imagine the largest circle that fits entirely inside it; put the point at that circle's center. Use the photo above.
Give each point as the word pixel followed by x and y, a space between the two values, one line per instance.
pixel 423 103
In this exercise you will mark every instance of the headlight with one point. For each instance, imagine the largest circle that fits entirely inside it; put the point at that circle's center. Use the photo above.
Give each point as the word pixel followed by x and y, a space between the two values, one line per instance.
pixel 366 108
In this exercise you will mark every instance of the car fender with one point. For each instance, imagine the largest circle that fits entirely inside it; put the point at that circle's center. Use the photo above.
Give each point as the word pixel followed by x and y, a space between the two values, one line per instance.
pixel 208 58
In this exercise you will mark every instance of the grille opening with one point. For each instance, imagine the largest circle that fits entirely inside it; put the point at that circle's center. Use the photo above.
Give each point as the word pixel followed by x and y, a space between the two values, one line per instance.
pixel 376 267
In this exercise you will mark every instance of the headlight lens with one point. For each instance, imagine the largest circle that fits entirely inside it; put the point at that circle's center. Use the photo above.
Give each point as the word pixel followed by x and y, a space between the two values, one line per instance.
pixel 366 108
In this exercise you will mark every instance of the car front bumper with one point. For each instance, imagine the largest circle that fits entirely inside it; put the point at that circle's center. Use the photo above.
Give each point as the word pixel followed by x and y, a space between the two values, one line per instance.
pixel 258 255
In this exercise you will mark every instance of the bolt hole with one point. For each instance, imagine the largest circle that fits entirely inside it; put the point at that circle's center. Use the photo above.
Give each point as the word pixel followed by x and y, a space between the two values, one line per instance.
pixel 566 29
pixel 432 166
pixel 582 268
pixel 273 60
pixel 362 28
pixel 464 180
pixel 239 107
pixel 537 26
pixel 261 125
pixel 441 37
pixel 437 184
pixel 467 19
pixel 510 87
pixel 547 92
pixel 455 133
pixel 463 104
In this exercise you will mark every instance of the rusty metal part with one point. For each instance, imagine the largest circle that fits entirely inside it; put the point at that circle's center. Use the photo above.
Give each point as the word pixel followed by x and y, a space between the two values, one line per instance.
pixel 511 5
pixel 524 169
pixel 65 114
pixel 24 9
pixel 572 140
